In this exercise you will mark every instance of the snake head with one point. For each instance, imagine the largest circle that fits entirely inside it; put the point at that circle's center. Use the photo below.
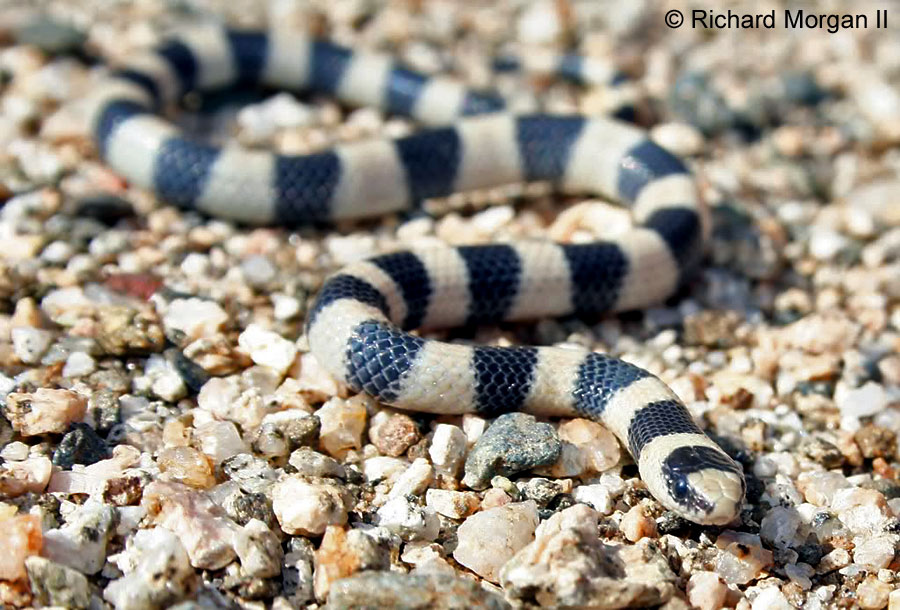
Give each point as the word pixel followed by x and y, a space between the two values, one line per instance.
pixel 698 481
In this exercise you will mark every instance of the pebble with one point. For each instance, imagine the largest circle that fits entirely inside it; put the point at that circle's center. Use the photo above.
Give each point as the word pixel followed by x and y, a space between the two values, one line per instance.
pixel 57 585
pixel 219 440
pixel 601 496
pixel 15 451
pixel 513 443
pixel 873 594
pixel 826 245
pixel 874 197
pixel 81 445
pixel 680 139
pixel 267 348
pixel 383 468
pixel 342 553
pixel 868 400
pixel 428 591
pixel 742 557
pixel 695 100
pixel 285 307
pixel 568 566
pixel 284 431
pixel 51 35
pixel 297 571
pixel 227 399
pixel 21 535
pixel 408 521
pixel 819 488
pixel 149 553
pixel 414 480
pixel 706 591
pixel 637 524
pixel 541 23
pixel 488 539
pixel 586 447
pixel 452 504
pixel 311 463
pixel 894 600
pixel 201 525
pixel 314 383
pixel 29 475
pixel 875 442
pixel 259 122
pixel 495 497
pixel 125 331
pixel 447 449
pixel 106 208
pixel 259 550
pixel 193 318
pixel 876 552
pixel 393 433
pixel 162 379
pixel 833 560
pixel 258 270
pixel 186 465
pixel 779 527
pixel 44 411
pixel 426 557
pixel 30 343
pixel 81 542
pixel 863 511
pixel 771 598
pixel 79 364
pixel 342 425
pixel 306 508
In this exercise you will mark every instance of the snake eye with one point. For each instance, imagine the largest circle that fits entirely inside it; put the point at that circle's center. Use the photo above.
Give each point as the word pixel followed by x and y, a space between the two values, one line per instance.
pixel 680 487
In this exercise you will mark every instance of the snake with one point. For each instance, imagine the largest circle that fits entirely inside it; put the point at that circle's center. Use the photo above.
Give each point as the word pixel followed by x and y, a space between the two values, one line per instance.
pixel 360 327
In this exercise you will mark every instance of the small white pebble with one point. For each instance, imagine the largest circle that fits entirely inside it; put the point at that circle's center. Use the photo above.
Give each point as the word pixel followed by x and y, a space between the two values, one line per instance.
pixel 285 306
pixel 453 504
pixel 15 451
pixel 194 317
pixel 488 539
pixel 706 591
pixel 30 343
pixel 771 598
pixel 268 348
pixel 409 521
pixel 79 364
pixel 680 139
pixel 868 400
pixel 307 508
pixel 414 481
pixel 448 449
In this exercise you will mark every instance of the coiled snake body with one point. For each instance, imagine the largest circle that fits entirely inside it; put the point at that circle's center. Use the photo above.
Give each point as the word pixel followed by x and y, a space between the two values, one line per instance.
pixel 358 326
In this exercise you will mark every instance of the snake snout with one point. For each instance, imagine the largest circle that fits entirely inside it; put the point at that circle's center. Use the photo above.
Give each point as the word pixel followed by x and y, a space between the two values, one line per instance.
pixel 722 493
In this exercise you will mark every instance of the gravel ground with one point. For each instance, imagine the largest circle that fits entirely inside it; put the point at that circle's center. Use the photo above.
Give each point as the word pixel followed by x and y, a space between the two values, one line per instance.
pixel 167 439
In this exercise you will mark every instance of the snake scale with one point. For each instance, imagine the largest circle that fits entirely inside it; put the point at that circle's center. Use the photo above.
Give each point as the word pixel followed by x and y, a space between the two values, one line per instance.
pixel 358 327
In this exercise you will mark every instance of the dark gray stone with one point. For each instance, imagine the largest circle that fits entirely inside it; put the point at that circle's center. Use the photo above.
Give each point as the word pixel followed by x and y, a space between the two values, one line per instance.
pixel 105 208
pixel 80 445
pixel 242 507
pixel 514 443
pixel 193 375
pixel 51 36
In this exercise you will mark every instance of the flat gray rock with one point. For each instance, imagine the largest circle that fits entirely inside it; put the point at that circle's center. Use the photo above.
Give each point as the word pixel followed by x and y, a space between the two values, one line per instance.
pixel 514 443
